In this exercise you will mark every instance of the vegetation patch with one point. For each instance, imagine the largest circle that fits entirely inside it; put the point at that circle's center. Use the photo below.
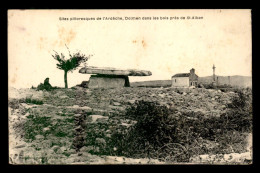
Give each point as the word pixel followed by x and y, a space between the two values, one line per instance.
pixel 160 134
pixel 33 101
pixel 35 125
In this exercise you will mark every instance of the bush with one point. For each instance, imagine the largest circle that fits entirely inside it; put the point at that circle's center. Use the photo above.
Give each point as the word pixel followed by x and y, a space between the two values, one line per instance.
pixel 34 126
pixel 152 120
pixel 239 116
pixel 157 133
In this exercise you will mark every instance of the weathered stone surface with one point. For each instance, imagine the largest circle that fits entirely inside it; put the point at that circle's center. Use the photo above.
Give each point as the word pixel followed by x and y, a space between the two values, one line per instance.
pixel 104 82
pixel 84 84
pixel 223 158
pixel 94 118
pixel 114 71
pixel 40 137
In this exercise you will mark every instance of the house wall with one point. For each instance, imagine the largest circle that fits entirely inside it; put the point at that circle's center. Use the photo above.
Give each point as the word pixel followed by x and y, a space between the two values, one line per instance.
pixel 193 78
pixel 180 81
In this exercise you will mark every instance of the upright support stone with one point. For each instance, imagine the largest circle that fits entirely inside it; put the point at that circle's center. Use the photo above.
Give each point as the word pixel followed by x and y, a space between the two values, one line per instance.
pixel 127 83
pixel 106 81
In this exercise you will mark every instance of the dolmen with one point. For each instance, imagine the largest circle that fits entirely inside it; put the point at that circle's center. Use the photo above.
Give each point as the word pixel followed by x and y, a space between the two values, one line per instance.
pixel 107 77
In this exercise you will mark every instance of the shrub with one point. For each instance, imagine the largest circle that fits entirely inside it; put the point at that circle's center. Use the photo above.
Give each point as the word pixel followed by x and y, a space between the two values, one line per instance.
pixel 152 120
pixel 34 126
pixel 157 133
pixel 239 116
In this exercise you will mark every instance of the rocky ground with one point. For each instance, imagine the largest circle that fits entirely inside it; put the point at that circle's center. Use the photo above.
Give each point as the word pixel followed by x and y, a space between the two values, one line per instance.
pixel 51 141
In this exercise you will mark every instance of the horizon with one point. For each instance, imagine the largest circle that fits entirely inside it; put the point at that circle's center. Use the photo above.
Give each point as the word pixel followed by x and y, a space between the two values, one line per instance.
pixel 145 81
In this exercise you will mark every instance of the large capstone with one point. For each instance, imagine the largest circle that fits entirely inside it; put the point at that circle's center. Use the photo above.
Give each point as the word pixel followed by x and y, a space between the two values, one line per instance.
pixel 114 71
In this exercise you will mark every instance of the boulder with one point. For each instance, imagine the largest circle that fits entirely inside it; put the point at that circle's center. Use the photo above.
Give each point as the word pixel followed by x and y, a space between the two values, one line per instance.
pixel 46 129
pixel 131 101
pixel 106 82
pixel 39 137
pixel 94 118
pixel 100 141
pixel 20 146
pixel 46 85
pixel 116 104
pixel 84 84
pixel 233 158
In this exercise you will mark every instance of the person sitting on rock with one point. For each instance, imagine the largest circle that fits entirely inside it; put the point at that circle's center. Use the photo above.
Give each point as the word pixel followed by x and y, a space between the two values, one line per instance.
pixel 46 84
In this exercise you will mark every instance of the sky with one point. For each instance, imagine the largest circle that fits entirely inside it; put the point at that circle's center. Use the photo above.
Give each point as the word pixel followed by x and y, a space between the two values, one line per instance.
pixel 164 47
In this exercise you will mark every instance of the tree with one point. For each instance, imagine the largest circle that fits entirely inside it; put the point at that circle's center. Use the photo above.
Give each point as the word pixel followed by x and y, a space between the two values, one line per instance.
pixel 68 65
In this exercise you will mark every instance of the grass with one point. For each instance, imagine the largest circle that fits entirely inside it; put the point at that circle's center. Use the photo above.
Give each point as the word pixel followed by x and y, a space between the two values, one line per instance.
pixel 34 126
pixel 33 101
pixel 36 123
pixel 61 134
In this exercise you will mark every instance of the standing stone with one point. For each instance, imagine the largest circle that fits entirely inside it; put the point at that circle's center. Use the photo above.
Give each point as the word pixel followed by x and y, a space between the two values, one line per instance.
pixel 79 133
pixel 108 81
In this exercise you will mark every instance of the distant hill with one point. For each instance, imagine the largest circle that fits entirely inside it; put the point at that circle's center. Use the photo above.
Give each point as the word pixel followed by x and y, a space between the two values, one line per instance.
pixel 153 83
pixel 240 81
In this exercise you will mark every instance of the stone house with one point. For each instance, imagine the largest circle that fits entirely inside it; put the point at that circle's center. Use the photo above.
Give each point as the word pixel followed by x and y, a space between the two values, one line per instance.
pixel 185 79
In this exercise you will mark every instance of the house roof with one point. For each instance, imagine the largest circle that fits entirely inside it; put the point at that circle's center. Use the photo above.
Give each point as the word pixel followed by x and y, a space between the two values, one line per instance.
pixel 181 75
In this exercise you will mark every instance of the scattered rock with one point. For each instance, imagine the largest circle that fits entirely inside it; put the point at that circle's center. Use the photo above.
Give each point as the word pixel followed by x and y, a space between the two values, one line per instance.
pixel 63 149
pixel 222 158
pixel 100 141
pixel 63 97
pixel 94 118
pixel 84 84
pixel 116 104
pixel 46 129
pixel 131 101
pixel 78 107
pixel 39 137
pixel 20 146
pixel 126 125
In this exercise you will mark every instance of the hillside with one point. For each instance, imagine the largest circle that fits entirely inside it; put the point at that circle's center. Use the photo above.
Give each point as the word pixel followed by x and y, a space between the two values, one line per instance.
pixel 153 83
pixel 94 126
pixel 240 81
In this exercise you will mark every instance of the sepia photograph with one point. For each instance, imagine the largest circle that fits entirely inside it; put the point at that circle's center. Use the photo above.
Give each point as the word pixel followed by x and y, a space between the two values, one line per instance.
pixel 130 87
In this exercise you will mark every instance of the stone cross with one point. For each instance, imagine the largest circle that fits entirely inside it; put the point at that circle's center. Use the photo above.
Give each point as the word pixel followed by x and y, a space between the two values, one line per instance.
pixel 214 72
